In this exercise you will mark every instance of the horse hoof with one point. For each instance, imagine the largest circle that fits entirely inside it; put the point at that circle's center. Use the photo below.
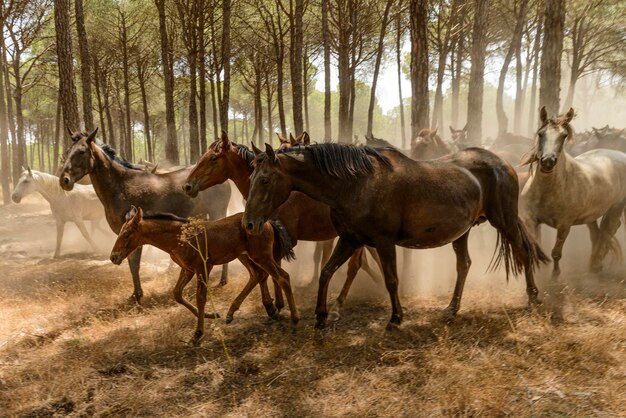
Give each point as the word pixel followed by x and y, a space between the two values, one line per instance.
pixel 197 338
pixel 320 324
pixel 229 319
pixel 392 326
pixel 211 315
pixel 449 314
pixel 334 315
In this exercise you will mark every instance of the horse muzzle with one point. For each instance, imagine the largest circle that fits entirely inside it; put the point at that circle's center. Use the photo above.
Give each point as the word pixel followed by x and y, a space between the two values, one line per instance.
pixel 116 258
pixel 66 182
pixel 191 188
pixel 547 164
pixel 16 198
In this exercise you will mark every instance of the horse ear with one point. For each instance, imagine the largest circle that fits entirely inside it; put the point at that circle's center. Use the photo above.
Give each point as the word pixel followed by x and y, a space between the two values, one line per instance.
pixel 434 131
pixel 543 115
pixel 69 131
pixel 270 153
pixel 92 136
pixel 30 173
pixel 293 140
pixel 281 138
pixel 306 138
pixel 570 115
pixel 465 128
pixel 139 215
pixel 224 138
pixel 451 129
pixel 256 150
pixel 131 213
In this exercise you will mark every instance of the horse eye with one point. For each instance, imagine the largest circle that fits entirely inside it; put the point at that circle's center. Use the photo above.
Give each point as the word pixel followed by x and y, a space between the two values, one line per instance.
pixel 213 158
pixel 126 235
pixel 265 180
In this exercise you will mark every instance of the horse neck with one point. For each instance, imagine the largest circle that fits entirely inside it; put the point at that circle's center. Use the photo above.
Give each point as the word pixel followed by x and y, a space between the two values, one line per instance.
pixel 48 186
pixel 240 173
pixel 107 179
pixel 306 178
pixel 161 234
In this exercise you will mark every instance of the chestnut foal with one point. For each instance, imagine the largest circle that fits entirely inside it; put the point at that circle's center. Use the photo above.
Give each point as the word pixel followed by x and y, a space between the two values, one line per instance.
pixel 215 241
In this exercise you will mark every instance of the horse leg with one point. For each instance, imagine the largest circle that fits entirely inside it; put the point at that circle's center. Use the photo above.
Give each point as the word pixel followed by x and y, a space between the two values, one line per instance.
pixel 83 230
pixel 134 259
pixel 354 265
pixel 561 235
pixel 224 276
pixel 342 252
pixel 366 267
pixel 594 233
pixel 201 291
pixel 60 229
pixel 387 253
pixel 282 277
pixel 463 263
pixel 257 276
pixel 184 278
pixel 609 225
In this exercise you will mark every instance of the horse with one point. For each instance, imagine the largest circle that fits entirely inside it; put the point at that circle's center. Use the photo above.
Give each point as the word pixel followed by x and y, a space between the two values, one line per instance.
pixel 381 198
pixel 427 145
pixel 304 218
pixel 197 247
pixel 79 205
pixel 563 191
pixel 119 187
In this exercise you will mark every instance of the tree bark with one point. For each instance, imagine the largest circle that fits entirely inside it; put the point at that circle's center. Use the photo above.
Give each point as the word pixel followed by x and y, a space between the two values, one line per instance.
pixel 57 136
pixel 399 68
pixel 296 65
pixel 5 166
pixel 85 66
pixel 532 111
pixel 66 66
pixel 550 70
pixel 102 131
pixel 226 11
pixel 128 143
pixel 202 76
pixel 327 97
pixel 419 65
pixel 214 119
pixel 379 57
pixel 476 82
pixel 171 143
pixel 146 114
pixel 457 61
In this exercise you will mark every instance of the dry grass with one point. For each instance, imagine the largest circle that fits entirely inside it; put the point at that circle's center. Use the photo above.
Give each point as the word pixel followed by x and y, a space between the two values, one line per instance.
pixel 72 344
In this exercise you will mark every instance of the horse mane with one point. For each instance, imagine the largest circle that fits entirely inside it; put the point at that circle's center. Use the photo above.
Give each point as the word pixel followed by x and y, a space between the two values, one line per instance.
pixel 164 216
pixel 245 153
pixel 339 160
pixel 108 150
pixel 377 143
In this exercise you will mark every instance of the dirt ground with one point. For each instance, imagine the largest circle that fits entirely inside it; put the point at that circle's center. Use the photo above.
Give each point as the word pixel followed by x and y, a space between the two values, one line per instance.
pixel 72 344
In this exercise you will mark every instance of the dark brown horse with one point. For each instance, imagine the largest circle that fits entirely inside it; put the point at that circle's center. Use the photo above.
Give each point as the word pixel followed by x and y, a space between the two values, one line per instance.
pixel 120 187
pixel 428 145
pixel 207 243
pixel 304 218
pixel 381 198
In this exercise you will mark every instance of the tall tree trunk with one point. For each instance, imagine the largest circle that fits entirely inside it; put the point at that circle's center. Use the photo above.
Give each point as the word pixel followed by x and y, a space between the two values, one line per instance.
pixel 343 64
pixel 171 143
pixel 57 136
pixel 327 98
pixel 419 65
pixel 14 149
pixel 268 93
pixel 379 57
pixel 532 111
pixel 19 156
pixel 146 114
pixel 476 82
pixel 305 90
pixel 226 9
pixel 5 166
pixel 85 67
pixel 202 76
pixel 194 143
pixel 128 144
pixel 399 69
pixel 550 70
pixel 457 60
pixel 214 110
pixel 519 94
pixel 280 78
pixel 107 107
pixel 103 130
pixel 514 45
pixel 296 65
pixel 66 66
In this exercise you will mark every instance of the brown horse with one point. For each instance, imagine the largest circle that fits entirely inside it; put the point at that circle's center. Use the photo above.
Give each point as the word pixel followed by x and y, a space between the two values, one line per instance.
pixel 304 218
pixel 428 145
pixel 205 244
pixel 381 198
pixel 119 187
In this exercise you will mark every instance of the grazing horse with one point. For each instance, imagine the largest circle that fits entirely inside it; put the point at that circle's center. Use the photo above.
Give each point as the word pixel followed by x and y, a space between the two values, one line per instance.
pixel 77 206
pixel 381 198
pixel 119 187
pixel 428 145
pixel 207 243
pixel 563 191
pixel 305 219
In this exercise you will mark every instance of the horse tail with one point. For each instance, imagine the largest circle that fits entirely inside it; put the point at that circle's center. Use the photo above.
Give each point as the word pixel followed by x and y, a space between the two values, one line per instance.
pixel 283 242
pixel 514 260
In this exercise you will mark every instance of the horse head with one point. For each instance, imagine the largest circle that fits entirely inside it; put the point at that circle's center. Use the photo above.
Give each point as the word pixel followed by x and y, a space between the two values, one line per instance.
pixel 25 185
pixel 211 169
pixel 459 137
pixel 127 240
pixel 428 145
pixel 269 188
pixel 79 160
pixel 550 139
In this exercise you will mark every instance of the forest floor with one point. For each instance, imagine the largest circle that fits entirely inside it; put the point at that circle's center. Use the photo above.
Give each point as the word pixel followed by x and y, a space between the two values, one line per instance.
pixel 71 342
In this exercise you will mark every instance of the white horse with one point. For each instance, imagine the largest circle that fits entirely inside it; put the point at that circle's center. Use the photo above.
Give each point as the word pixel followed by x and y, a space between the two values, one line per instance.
pixel 563 191
pixel 79 205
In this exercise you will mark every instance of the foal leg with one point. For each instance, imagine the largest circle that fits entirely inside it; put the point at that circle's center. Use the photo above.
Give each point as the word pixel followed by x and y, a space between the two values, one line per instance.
pixel 257 276
pixel 282 277
pixel 83 230
pixel 387 253
pixel 354 265
pixel 561 235
pixel 342 252
pixel 184 278
pixel 224 276
pixel 60 229
pixel 366 267
pixel 201 291
pixel 134 260
pixel 463 263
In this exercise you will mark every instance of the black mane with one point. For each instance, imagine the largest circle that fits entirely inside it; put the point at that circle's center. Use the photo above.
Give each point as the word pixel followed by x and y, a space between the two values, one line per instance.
pixel 164 216
pixel 245 153
pixel 110 152
pixel 340 160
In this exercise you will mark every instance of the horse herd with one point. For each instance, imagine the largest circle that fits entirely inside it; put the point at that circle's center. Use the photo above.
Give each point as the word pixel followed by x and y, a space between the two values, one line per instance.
pixel 373 197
